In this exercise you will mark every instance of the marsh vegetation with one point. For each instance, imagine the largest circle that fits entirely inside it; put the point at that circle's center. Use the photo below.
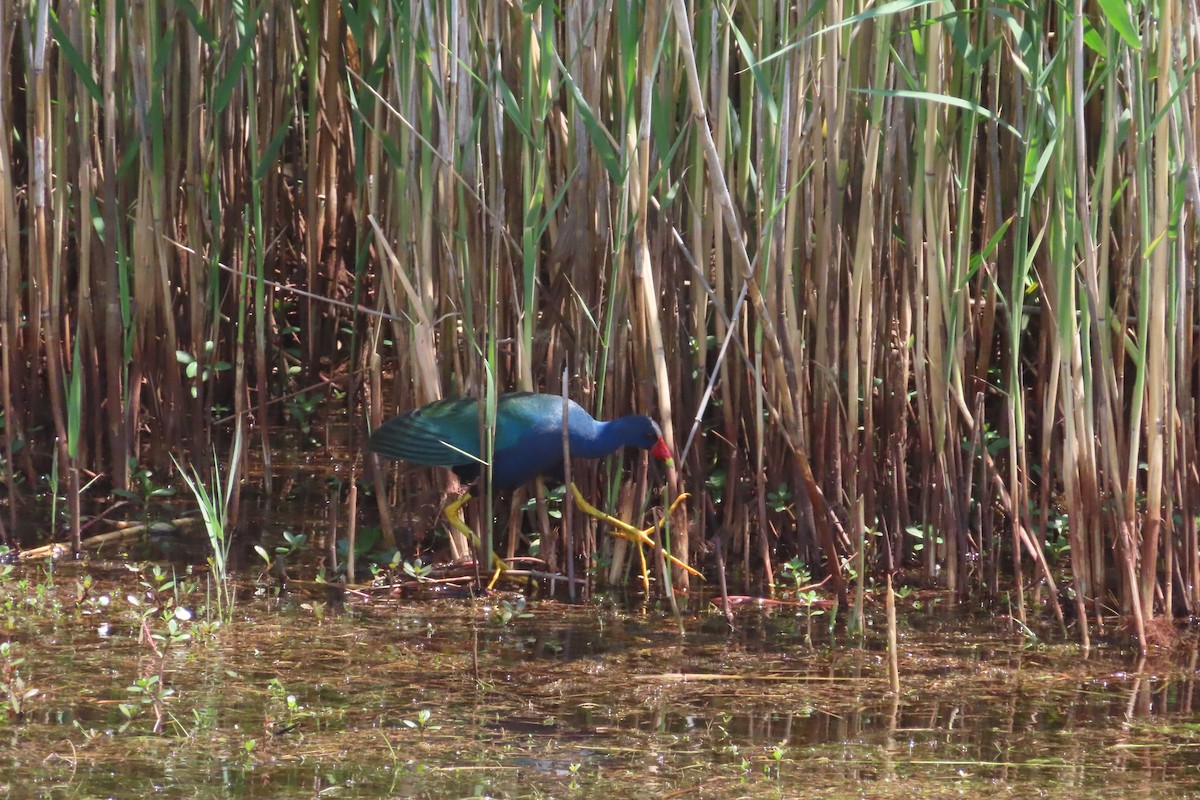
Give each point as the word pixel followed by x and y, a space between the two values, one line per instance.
pixel 910 287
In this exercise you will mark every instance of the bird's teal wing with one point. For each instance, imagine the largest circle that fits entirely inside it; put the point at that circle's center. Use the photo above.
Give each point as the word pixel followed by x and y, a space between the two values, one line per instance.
pixel 446 433
pixel 441 434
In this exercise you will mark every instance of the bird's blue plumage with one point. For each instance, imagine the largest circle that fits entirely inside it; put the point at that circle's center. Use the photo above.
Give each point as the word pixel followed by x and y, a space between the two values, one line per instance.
pixel 529 436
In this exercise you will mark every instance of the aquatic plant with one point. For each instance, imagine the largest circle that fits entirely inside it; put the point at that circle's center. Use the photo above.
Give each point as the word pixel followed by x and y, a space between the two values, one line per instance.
pixel 214 500
pixel 16 693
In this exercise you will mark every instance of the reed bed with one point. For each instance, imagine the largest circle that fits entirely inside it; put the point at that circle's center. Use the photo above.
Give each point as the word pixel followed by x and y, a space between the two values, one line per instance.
pixel 914 282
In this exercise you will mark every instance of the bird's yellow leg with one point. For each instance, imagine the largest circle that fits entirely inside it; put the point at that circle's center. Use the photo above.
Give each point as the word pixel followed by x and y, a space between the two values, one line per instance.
pixel 676 504
pixel 499 571
pixel 456 522
pixel 645 571
pixel 647 531
pixel 631 533
pixel 644 535
pixel 627 531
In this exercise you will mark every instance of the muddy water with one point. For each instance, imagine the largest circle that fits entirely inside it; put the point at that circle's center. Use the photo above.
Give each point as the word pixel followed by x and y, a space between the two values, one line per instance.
pixel 296 697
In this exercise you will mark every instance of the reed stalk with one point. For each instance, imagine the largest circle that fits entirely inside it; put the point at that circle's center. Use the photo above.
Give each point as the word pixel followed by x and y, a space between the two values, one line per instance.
pixel 10 273
pixel 963 236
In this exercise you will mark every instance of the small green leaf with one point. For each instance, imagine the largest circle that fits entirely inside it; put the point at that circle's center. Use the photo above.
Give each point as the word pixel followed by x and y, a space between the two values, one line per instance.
pixel 198 24
pixel 1117 14
pixel 78 65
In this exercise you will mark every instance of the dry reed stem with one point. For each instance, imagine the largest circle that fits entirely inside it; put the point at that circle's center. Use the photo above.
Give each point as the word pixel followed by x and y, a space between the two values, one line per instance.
pixel 963 317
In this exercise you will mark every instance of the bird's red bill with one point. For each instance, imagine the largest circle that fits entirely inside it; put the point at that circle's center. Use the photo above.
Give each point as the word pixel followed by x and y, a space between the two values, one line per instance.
pixel 661 452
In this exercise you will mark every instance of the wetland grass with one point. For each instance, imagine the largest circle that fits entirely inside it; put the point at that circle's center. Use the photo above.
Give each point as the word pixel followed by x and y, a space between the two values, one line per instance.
pixel 925 272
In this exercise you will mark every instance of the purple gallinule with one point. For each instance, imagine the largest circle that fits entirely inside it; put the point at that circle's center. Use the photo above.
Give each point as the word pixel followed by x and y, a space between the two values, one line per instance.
pixel 528 443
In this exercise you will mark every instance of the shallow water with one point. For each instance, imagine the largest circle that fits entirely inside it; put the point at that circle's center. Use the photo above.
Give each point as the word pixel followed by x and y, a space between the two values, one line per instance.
pixel 495 698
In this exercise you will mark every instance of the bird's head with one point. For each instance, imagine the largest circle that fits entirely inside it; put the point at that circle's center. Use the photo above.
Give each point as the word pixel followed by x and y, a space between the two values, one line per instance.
pixel 661 452
pixel 656 445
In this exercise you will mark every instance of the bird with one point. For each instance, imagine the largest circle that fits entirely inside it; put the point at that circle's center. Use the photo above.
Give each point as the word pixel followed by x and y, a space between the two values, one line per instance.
pixel 528 443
